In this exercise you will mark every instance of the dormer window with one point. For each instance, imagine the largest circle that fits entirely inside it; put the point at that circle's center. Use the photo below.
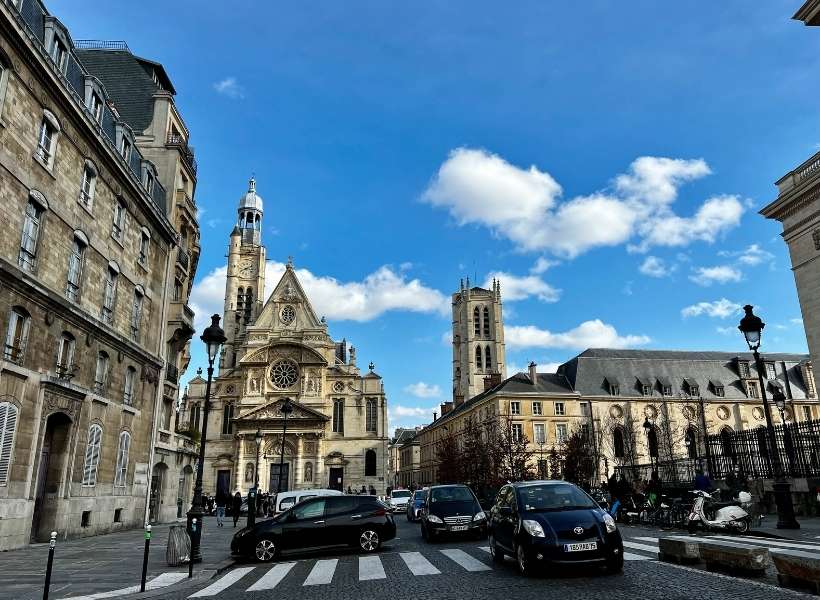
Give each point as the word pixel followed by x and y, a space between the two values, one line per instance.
pixel 719 391
pixel 667 390
pixel 694 390
pixel 743 369
pixel 125 148
pixel 614 389
pixel 770 372
pixel 59 54
pixel 95 106
pixel 149 183
pixel 645 385
pixel 646 390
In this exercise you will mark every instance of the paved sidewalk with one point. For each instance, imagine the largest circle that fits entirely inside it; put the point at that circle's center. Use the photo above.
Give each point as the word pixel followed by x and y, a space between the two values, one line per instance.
pixel 809 528
pixel 103 563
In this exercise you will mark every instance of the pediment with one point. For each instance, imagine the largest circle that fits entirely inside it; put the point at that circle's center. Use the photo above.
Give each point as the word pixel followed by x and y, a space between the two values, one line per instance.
pixel 288 293
pixel 272 412
pixel 304 355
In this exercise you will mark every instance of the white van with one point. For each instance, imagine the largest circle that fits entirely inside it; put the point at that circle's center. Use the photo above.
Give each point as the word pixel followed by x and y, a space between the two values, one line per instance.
pixel 287 499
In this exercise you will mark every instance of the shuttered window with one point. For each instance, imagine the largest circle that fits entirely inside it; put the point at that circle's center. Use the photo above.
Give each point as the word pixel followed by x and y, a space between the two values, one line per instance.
pixel 371 417
pixel 121 474
pixel 8 421
pixel 92 456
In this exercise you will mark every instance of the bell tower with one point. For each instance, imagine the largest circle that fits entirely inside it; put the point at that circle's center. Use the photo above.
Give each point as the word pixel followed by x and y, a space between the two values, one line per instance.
pixel 245 284
pixel 478 340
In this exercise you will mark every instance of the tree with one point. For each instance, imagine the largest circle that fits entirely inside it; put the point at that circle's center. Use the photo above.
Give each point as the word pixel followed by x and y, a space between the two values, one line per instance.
pixel 578 458
pixel 515 450
pixel 619 442
pixel 555 463
pixel 477 462
pixel 449 459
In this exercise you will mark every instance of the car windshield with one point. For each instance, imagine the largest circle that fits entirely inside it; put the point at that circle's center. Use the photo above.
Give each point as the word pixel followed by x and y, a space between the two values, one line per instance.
pixel 451 494
pixel 562 496
pixel 401 494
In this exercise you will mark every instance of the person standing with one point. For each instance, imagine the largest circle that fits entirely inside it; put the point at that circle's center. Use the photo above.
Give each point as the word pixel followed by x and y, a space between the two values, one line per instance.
pixel 237 506
pixel 221 502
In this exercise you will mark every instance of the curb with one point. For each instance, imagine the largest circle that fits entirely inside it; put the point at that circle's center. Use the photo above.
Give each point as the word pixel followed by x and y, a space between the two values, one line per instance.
pixel 203 576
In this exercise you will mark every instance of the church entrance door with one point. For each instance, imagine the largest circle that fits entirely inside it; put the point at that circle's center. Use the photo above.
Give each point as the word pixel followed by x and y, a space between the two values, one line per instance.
pixel 274 477
pixel 337 479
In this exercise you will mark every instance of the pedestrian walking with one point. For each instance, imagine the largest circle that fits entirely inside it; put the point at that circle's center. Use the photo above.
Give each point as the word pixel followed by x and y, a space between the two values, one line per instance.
pixel 221 502
pixel 237 506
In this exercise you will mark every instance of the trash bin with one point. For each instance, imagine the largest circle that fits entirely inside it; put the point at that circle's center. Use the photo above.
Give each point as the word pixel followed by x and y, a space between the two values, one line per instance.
pixel 179 546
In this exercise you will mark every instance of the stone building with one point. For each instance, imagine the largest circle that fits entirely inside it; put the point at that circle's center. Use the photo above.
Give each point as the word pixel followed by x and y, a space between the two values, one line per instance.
pixel 337 433
pixel 83 292
pixel 400 436
pixel 143 93
pixel 409 471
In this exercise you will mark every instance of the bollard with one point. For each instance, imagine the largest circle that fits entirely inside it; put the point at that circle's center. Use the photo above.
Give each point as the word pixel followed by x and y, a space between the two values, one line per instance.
pixel 145 557
pixel 190 557
pixel 51 545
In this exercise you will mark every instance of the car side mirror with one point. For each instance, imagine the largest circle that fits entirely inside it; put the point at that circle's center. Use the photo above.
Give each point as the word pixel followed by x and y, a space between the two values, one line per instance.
pixel 505 511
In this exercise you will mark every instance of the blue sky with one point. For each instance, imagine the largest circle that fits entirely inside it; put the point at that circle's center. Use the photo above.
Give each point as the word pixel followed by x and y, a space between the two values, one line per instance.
pixel 608 159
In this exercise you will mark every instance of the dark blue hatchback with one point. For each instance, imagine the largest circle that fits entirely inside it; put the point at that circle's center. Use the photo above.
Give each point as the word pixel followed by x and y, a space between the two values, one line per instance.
pixel 553 522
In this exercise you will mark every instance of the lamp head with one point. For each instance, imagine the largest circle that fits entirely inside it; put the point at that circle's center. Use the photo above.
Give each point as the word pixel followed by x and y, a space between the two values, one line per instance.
pixel 779 399
pixel 213 337
pixel 258 437
pixel 751 326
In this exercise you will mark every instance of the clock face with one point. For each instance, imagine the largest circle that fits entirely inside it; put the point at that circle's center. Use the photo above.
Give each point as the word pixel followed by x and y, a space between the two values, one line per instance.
pixel 246 268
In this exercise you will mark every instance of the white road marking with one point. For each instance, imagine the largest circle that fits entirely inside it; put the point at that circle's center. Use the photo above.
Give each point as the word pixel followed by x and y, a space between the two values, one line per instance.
pixel 370 567
pixel 417 564
pixel 269 580
pixel 636 546
pixel 766 542
pixel 322 572
pixel 485 549
pixel 465 560
pixel 160 581
pixel 223 582
pixel 630 556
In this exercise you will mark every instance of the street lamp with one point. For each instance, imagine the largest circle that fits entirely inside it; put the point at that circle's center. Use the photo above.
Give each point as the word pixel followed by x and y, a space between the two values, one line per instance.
pixel 647 428
pixel 255 489
pixel 285 409
pixel 751 326
pixel 213 337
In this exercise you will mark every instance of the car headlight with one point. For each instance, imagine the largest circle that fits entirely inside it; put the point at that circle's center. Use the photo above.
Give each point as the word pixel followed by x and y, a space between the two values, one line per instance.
pixel 480 516
pixel 533 528
pixel 434 519
pixel 609 522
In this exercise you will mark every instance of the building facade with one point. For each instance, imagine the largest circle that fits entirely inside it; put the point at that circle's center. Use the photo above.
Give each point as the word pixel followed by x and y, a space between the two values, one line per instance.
pixel 410 468
pixel 394 461
pixel 83 292
pixel 280 349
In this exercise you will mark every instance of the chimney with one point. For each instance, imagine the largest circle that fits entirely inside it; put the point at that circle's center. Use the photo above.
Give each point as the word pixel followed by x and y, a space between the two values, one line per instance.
pixel 435 415
pixel 446 407
pixel 491 380
pixel 533 373
pixel 458 400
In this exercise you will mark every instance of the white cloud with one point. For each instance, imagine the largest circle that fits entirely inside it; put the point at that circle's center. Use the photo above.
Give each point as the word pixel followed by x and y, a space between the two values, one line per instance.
pixel 797 321
pixel 751 256
pixel 706 276
pixel 515 288
pixel 423 390
pixel 721 309
pixel 447 338
pixel 541 265
pixel 382 291
pixel 727 330
pixel 399 411
pixel 589 334
pixel 655 267
pixel 524 205
pixel 548 367
pixel 230 87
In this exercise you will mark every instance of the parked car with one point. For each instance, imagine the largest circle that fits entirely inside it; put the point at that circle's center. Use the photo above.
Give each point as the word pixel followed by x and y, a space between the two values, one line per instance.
pixel 452 509
pixel 543 522
pixel 285 500
pixel 398 500
pixel 317 523
pixel 415 504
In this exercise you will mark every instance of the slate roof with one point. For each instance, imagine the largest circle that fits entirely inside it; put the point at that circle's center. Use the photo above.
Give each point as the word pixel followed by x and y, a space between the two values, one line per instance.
pixel 403 435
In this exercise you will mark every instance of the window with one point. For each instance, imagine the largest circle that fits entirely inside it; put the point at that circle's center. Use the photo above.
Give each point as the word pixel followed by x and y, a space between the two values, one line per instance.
pixel 371 416
pixel 110 294
pixel 561 432
pixel 95 106
pixel 539 432
pixel 559 409
pixel 117 515
pixel 584 408
pixel 8 422
pixel 149 183
pixel 195 415
pixel 177 290
pixel 27 259
pixel 92 456
pixel 370 463
pixel 536 408
pixel 145 245
pixel 65 355
pixel 136 313
pixel 476 322
pixel 486 322
pixel 227 416
pixel 618 443
pixel 478 361
pixel 667 390
pixel 770 372
pixel 118 225
pixel 752 390
pixel 517 432
pixel 694 390
pixel 646 390
pixel 17 335
pixel 488 359
pixel 101 373
pixel 515 408
pixel 47 140
pixel 128 389
pixel 614 389
pixel 125 148
pixel 743 368
pixel 76 261
pixel 339 415
pixel 88 184
pixel 59 54
pixel 807 413
pixel 121 474
pixel 719 391
pixel 585 432
pixel 312 509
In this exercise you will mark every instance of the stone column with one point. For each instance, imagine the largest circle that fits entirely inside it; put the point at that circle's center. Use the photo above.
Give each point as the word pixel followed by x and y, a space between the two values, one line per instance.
pixel 240 463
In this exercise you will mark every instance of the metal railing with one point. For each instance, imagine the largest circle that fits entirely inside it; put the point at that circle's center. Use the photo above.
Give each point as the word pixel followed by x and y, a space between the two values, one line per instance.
pixel 101 45
pixel 183 259
pixel 175 139
pixel 171 373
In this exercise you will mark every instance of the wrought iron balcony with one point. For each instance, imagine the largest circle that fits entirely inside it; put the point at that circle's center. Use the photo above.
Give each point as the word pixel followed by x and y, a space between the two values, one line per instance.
pixel 175 139
pixel 183 258
pixel 172 373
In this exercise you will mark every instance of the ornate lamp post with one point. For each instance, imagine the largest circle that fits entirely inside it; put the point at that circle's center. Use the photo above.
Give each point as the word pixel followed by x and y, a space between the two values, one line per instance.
pixel 647 428
pixel 255 489
pixel 285 409
pixel 780 402
pixel 213 337
pixel 752 328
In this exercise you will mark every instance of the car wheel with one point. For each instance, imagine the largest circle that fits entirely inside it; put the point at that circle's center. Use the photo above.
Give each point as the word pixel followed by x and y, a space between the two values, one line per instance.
pixel 495 551
pixel 523 561
pixel 369 540
pixel 265 550
pixel 615 564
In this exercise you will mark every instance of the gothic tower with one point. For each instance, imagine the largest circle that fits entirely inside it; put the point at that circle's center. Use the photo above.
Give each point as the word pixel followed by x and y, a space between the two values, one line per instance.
pixel 245 285
pixel 478 340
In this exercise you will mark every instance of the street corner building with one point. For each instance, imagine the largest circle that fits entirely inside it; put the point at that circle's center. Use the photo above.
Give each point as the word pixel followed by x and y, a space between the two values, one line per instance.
pixel 87 267
pixel 336 435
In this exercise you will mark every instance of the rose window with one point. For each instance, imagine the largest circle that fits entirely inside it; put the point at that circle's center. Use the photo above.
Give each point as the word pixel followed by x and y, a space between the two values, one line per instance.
pixel 284 374
pixel 288 315
pixel 338 387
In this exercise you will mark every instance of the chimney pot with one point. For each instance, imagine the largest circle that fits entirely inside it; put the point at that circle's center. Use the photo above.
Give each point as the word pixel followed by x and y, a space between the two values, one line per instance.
pixel 533 373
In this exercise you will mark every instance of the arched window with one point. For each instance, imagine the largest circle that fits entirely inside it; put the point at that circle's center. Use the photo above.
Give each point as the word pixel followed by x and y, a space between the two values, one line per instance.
pixel 76 261
pixel 121 474
pixel 240 298
pixel 488 359
pixel 370 463
pixel 258 222
pixel 691 443
pixel 618 443
pixel 249 468
pixel 92 456
pixel 248 303
pixel 478 362
pixel 32 224
pixel 476 321
pixel 652 441
pixel 17 335
pixel 371 416
pixel 8 421
pixel 486 327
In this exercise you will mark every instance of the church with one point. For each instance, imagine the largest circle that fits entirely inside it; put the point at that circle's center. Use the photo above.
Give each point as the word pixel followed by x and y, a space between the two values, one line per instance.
pixel 279 351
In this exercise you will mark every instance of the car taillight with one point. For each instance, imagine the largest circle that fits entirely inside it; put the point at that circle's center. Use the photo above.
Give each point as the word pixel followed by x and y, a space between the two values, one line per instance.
pixel 379 512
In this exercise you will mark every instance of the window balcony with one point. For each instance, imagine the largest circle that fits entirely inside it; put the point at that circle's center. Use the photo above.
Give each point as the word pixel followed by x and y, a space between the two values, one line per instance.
pixel 181 144
pixel 172 373
pixel 183 258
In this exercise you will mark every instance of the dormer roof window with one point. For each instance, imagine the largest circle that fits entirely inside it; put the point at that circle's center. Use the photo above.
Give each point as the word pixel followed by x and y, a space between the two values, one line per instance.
pixel 717 387
pixel 743 369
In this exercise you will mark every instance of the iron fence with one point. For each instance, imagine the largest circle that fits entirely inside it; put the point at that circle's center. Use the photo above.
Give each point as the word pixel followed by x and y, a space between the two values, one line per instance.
pixel 675 472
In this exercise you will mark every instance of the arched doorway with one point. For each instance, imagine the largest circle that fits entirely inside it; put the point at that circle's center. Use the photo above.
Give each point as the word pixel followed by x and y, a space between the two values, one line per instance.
pixel 158 476
pixel 50 475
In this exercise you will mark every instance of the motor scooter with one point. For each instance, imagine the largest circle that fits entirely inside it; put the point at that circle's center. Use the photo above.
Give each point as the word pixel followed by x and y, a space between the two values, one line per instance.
pixel 729 516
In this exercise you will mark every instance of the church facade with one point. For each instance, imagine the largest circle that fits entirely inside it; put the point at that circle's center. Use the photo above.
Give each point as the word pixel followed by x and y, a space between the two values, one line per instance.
pixel 335 436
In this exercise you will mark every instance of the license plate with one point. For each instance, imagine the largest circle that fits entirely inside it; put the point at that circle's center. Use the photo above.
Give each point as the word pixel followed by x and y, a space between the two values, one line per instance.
pixel 458 528
pixel 581 547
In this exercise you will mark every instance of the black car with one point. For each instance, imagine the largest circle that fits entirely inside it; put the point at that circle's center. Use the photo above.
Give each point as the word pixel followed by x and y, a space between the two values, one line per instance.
pixel 553 522
pixel 321 522
pixel 452 509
